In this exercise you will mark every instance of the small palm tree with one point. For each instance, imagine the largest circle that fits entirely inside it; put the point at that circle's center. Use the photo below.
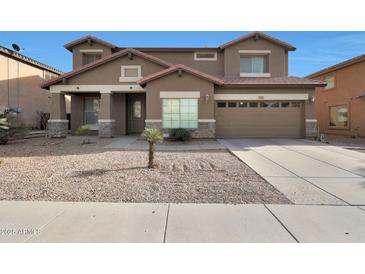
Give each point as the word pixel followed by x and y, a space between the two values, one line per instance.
pixel 152 135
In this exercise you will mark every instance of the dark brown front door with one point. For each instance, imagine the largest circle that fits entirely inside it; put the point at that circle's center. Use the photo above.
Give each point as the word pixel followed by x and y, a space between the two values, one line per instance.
pixel 136 113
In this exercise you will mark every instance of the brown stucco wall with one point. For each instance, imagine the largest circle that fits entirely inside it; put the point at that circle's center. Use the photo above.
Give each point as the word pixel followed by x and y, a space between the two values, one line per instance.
pixel 77 112
pixel 77 55
pixel 173 82
pixel 109 73
pixel 31 98
pixel 187 58
pixel 349 83
pixel 277 62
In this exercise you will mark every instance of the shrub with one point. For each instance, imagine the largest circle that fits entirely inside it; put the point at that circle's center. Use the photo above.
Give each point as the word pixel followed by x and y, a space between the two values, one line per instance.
pixel 180 134
pixel 83 131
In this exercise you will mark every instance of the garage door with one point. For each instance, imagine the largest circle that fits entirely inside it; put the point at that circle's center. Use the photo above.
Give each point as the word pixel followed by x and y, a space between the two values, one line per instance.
pixel 235 119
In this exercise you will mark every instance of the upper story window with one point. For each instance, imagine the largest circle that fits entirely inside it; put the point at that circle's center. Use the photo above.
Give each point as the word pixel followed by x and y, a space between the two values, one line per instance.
pixel 205 56
pixel 130 74
pixel 49 75
pixel 90 57
pixel 330 81
pixel 254 63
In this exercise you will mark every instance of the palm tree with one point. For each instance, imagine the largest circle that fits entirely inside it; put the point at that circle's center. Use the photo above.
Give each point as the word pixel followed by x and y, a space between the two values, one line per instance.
pixel 152 135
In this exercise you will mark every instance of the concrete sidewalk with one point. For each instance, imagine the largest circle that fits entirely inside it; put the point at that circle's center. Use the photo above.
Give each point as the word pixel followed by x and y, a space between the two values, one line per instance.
pixel 158 223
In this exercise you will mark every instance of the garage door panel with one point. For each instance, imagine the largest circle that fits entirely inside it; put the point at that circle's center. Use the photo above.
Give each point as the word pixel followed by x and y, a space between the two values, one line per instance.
pixel 259 122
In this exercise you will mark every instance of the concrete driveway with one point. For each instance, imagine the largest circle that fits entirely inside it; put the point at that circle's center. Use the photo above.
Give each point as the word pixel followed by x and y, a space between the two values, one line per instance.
pixel 307 172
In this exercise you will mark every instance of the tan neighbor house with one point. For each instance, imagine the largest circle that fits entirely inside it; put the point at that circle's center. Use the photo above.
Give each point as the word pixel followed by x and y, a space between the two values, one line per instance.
pixel 239 89
pixel 340 106
pixel 21 78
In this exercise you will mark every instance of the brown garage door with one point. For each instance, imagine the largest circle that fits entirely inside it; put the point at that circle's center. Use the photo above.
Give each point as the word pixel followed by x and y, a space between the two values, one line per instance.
pixel 259 119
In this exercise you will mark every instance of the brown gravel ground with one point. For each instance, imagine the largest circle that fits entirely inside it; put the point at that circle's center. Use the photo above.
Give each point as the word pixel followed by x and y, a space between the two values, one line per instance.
pixel 65 170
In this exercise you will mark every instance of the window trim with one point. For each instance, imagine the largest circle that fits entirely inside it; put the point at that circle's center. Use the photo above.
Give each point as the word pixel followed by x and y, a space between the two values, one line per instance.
pixel 334 81
pixel 196 58
pixel 348 117
pixel 123 78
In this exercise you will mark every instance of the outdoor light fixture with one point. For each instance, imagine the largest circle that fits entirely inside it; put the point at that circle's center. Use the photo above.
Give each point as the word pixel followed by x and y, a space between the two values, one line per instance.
pixel 312 99
pixel 206 97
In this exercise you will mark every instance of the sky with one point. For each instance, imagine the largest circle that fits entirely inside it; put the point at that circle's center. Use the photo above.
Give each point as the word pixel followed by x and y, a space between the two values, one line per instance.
pixel 315 50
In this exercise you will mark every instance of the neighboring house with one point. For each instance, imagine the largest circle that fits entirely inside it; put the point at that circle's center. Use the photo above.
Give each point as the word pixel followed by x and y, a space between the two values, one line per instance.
pixel 20 86
pixel 239 89
pixel 340 105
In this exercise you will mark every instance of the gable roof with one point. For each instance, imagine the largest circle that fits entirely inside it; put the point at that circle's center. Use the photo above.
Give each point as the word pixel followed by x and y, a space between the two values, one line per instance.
pixel 182 67
pixel 258 34
pixel 15 55
pixel 346 63
pixel 106 60
pixel 86 38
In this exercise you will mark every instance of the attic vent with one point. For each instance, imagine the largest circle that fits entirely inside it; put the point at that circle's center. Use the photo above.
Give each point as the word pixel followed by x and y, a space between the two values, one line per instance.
pixel 205 56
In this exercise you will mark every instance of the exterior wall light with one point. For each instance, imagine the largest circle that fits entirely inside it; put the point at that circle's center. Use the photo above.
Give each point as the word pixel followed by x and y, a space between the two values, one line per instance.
pixel 206 98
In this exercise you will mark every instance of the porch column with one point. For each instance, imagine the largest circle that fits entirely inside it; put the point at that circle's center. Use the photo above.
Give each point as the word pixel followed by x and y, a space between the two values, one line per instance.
pixel 58 124
pixel 106 121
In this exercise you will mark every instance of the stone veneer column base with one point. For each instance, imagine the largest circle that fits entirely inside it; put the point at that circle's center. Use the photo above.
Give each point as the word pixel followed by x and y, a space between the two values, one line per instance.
pixel 204 130
pixel 57 128
pixel 106 128
pixel 310 128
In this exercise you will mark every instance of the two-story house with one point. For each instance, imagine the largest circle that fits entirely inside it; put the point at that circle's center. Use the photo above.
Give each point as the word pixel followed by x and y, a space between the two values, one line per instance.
pixel 239 89
pixel 340 105
pixel 21 78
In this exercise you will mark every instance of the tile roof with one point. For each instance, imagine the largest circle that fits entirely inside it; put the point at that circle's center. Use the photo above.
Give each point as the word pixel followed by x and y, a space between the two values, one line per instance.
pixel 182 67
pixel 346 63
pixel 269 81
pixel 83 39
pixel 257 34
pixel 23 58
pixel 105 60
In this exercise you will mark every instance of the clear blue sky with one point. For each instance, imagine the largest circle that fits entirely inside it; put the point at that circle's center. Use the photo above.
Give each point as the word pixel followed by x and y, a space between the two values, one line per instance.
pixel 315 50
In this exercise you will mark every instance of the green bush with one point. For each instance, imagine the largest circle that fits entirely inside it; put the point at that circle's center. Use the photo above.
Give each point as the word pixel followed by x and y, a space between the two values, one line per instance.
pixel 82 131
pixel 180 134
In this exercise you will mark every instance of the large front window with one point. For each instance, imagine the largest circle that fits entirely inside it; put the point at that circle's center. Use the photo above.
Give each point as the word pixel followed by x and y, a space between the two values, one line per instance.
pixel 91 110
pixel 180 113
pixel 338 116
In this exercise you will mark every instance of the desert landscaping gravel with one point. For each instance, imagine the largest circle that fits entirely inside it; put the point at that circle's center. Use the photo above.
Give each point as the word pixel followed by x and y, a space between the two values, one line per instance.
pixel 65 170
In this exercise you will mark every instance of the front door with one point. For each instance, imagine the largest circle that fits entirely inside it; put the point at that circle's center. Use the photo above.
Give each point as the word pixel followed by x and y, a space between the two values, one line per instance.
pixel 136 112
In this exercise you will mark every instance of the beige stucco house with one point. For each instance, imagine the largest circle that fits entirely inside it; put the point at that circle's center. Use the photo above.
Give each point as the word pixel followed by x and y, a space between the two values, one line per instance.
pixel 21 78
pixel 239 89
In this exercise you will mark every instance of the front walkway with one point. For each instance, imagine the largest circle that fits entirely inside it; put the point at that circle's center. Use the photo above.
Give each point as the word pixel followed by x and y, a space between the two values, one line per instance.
pixel 306 172
pixel 123 222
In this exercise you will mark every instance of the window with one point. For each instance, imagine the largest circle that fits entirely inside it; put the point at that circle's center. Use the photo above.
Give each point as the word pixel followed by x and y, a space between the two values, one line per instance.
pixel 253 104
pixel 295 104
pixel 232 104
pixel 338 116
pixel 221 104
pixel 205 56
pixel 137 109
pixel 330 81
pixel 180 113
pixel 48 75
pixel 269 104
pixel 253 64
pixel 130 74
pixel 91 110
pixel 242 104
pixel 88 58
pixel 285 104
